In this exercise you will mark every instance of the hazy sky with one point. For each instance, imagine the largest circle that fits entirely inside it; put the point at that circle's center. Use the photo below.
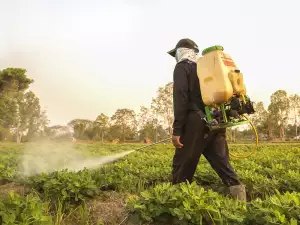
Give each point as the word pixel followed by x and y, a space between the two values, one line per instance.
pixel 88 57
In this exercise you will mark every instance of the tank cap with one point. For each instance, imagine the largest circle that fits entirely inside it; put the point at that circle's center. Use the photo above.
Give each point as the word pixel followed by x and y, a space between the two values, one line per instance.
pixel 212 48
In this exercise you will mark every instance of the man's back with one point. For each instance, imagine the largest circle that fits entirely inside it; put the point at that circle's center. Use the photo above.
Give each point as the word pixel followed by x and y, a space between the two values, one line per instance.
pixel 186 92
pixel 194 93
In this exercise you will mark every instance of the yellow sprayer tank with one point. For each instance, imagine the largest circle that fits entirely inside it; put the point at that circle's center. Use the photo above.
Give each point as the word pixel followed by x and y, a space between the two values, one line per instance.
pixel 219 77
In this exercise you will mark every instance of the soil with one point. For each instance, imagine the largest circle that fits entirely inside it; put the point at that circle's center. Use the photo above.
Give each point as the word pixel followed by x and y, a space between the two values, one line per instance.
pixel 8 187
pixel 109 209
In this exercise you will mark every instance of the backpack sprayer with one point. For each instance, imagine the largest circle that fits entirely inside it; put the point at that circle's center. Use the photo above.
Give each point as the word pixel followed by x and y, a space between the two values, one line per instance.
pixel 223 93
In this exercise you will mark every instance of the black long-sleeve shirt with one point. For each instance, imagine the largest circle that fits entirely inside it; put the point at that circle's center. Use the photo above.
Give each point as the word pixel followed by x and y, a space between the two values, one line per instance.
pixel 186 94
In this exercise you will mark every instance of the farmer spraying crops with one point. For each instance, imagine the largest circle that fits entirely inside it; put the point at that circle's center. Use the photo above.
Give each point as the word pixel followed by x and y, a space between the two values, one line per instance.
pixel 191 137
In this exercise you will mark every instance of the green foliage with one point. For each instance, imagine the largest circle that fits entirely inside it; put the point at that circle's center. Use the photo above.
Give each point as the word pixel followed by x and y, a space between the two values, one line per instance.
pixel 30 209
pixel 191 204
pixel 295 107
pixel 271 167
pixel 125 119
pixel 276 209
pixel 81 127
pixel 279 109
pixel 152 131
pixel 29 118
pixel 19 110
pixel 8 167
pixel 67 186
pixel 150 126
pixel 14 79
pixel 188 203
pixel 162 104
pixel 101 126
pixel 271 176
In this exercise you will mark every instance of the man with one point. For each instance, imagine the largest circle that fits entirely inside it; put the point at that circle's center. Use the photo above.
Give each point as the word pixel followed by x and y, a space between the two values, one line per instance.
pixel 191 136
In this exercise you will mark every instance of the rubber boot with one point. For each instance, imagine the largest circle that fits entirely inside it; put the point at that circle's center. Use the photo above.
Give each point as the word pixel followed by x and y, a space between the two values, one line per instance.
pixel 238 192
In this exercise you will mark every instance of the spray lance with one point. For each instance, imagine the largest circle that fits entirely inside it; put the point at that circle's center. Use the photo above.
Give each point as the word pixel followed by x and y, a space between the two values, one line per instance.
pixel 155 143
pixel 213 125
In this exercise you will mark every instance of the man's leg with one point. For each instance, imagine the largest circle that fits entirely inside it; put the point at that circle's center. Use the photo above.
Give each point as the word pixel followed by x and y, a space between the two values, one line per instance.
pixel 217 154
pixel 186 159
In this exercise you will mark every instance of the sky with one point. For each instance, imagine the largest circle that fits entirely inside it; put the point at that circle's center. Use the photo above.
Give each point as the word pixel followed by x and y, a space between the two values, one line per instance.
pixel 91 57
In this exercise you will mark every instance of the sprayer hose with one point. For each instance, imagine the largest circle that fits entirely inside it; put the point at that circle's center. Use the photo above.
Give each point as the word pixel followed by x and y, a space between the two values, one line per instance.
pixel 256 141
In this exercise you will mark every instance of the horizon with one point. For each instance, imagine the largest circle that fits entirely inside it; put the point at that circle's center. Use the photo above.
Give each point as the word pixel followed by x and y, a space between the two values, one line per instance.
pixel 96 57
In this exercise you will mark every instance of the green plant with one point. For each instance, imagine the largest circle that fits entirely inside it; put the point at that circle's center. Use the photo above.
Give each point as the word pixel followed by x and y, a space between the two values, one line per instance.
pixel 270 177
pixel 71 187
pixel 191 204
pixel 24 210
pixel 277 209
pixel 188 203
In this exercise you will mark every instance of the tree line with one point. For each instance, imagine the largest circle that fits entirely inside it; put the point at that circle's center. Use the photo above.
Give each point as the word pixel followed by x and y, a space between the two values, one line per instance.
pixel 280 118
pixel 22 119
pixel 151 123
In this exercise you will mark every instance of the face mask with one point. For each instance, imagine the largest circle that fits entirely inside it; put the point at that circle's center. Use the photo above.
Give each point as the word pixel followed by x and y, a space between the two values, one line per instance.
pixel 186 53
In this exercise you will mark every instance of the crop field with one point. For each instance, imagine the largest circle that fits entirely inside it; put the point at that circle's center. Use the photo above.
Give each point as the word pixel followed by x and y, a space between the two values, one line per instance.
pixel 136 189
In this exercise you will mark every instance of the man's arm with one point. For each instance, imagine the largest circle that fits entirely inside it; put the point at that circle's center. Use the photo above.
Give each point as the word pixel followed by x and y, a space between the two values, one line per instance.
pixel 180 98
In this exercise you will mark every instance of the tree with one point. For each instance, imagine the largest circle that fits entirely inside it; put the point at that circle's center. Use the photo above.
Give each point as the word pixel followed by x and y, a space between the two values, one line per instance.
pixel 260 114
pixel 152 131
pixel 44 122
pixel 12 82
pixel 28 118
pixel 14 79
pixel 125 119
pixel 80 127
pixel 145 118
pixel 291 130
pixel 59 132
pixel 163 104
pixel 271 123
pixel 145 115
pixel 149 127
pixel 101 125
pixel 114 132
pixel 295 106
pixel 7 111
pixel 260 119
pixel 279 109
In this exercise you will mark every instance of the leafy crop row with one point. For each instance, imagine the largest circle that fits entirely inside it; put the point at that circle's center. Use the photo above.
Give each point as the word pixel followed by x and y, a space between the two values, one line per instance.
pixel 271 176
pixel 191 204
pixel 24 210
pixel 141 170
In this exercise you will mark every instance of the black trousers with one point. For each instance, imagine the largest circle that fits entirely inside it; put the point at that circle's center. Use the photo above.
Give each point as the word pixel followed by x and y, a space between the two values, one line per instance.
pixel 197 140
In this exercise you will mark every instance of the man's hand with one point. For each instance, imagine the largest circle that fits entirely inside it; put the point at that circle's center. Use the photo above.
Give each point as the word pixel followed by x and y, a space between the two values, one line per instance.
pixel 176 141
